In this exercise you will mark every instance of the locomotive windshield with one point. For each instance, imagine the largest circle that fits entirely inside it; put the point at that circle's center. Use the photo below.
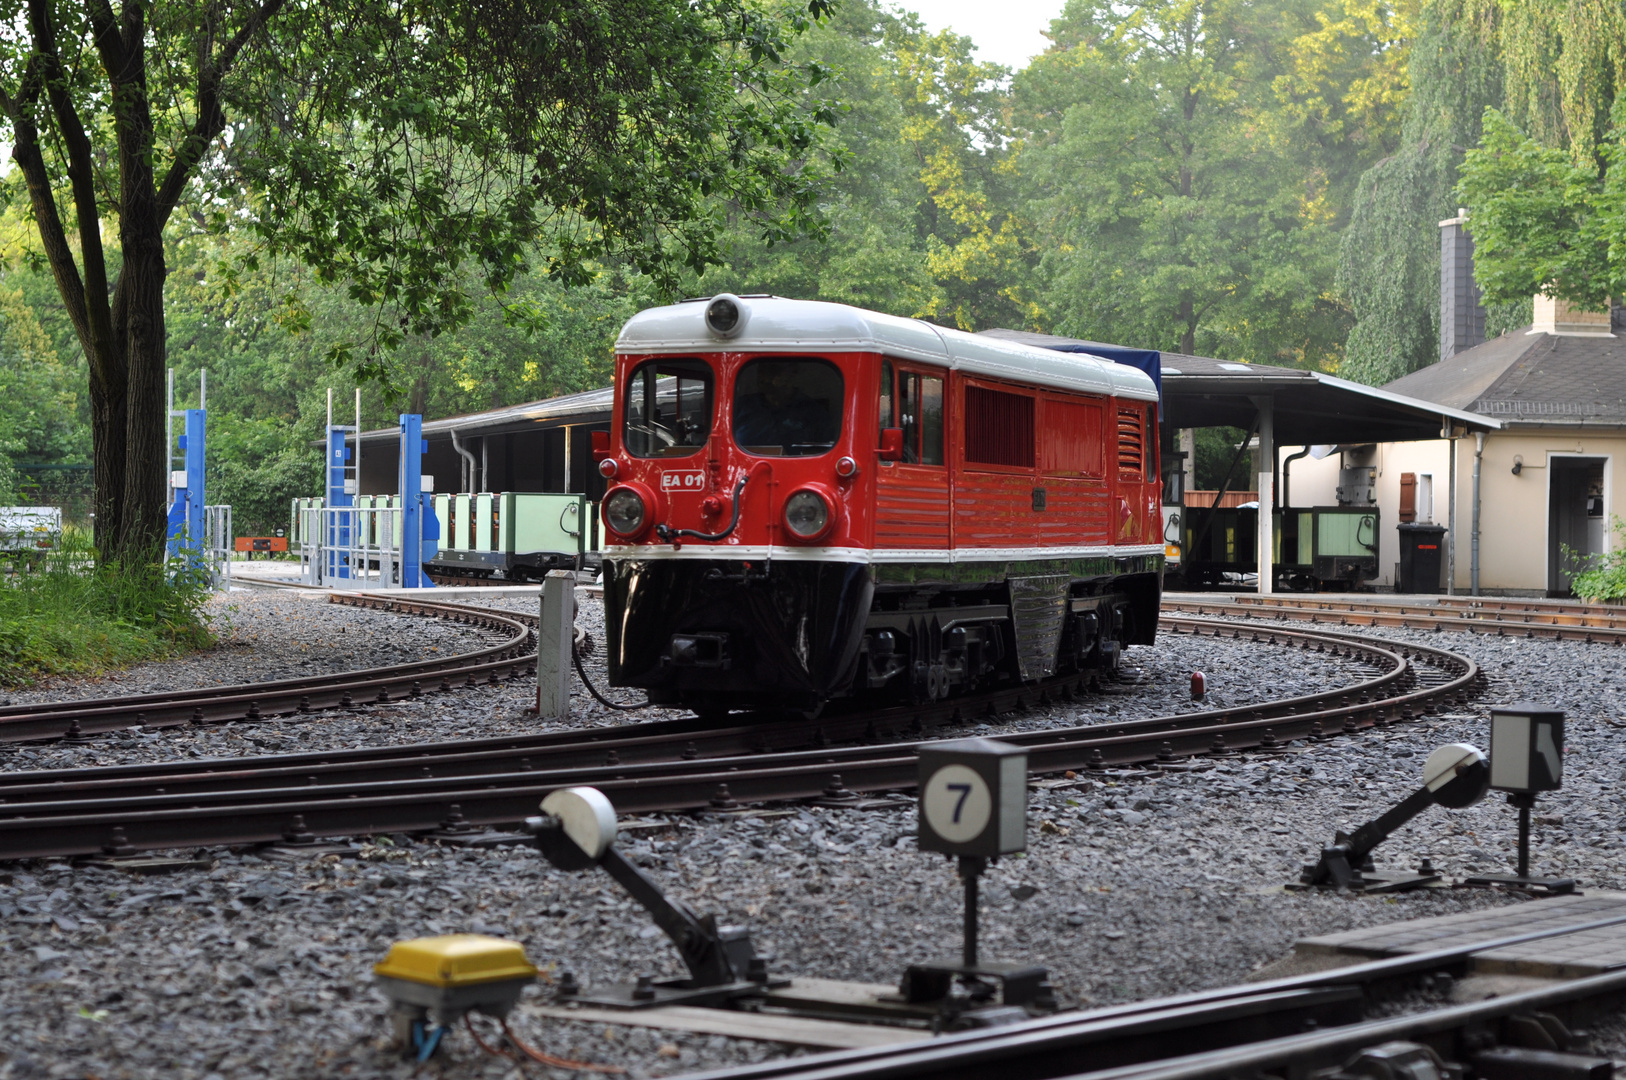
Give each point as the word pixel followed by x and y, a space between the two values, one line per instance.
pixel 787 407
pixel 668 408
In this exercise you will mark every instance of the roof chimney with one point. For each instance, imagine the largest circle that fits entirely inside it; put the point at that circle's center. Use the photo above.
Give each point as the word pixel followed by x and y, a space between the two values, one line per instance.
pixel 1462 316
pixel 1562 317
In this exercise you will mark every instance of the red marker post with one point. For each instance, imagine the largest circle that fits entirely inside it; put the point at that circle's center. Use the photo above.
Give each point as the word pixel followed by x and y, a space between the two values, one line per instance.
pixel 1199 686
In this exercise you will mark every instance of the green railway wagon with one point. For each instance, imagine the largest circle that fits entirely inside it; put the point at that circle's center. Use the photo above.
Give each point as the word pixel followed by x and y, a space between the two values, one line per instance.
pixel 1317 548
pixel 516 535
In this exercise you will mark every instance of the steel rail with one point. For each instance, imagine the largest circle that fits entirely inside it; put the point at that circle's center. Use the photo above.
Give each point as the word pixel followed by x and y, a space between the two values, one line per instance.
pixel 1498 621
pixel 1051 1046
pixel 253 701
pixel 658 741
pixel 79 826
pixel 1444 1028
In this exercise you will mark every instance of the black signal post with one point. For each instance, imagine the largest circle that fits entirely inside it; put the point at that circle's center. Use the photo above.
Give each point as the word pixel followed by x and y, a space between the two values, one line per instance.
pixel 1526 757
pixel 973 807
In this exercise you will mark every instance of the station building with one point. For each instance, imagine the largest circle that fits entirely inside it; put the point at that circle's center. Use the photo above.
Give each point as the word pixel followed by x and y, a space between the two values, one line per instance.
pixel 1535 491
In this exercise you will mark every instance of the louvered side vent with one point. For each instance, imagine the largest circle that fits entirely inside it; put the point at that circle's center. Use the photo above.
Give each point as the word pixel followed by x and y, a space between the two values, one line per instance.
pixel 1131 443
pixel 998 428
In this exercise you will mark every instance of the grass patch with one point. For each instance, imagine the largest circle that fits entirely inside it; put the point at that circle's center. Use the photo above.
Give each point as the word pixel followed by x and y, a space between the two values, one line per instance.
pixel 66 614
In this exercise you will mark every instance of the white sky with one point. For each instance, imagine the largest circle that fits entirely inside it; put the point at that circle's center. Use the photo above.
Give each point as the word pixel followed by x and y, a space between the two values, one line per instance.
pixel 1006 32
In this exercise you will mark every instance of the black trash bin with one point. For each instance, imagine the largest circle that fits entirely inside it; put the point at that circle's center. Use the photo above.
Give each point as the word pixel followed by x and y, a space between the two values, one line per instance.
pixel 1421 547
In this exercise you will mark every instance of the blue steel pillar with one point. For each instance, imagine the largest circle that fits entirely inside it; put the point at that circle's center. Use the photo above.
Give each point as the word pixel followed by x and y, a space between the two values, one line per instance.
pixel 186 512
pixel 414 532
pixel 338 456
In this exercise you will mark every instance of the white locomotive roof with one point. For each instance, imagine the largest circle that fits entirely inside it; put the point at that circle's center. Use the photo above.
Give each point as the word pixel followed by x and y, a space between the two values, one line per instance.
pixel 775 324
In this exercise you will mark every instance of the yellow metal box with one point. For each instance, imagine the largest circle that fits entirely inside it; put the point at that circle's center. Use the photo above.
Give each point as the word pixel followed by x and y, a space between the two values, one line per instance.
pixel 456 960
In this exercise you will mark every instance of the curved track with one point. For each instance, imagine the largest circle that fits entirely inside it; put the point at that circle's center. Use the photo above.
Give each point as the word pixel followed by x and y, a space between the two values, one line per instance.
pixel 672 765
pixel 253 701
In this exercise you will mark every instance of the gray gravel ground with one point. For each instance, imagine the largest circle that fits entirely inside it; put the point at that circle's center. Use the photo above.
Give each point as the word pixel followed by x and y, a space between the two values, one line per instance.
pixel 262 636
pixel 1135 885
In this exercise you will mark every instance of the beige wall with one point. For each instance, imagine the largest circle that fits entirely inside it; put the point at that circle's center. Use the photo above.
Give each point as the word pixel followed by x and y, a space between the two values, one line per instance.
pixel 1513 537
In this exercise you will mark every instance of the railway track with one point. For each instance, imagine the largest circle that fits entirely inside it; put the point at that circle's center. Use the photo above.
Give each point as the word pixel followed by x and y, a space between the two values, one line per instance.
pixel 1594 623
pixel 676 765
pixel 1291 1027
pixel 508 658
pixel 72 719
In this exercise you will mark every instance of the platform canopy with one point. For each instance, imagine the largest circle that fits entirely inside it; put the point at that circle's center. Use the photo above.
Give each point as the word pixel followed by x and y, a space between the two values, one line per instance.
pixel 1310 408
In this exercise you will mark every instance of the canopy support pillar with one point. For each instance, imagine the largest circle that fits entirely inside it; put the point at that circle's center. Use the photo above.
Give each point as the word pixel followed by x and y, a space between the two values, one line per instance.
pixel 1266 404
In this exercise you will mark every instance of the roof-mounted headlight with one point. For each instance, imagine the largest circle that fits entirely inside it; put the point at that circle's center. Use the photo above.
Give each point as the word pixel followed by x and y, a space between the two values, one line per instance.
pixel 726 315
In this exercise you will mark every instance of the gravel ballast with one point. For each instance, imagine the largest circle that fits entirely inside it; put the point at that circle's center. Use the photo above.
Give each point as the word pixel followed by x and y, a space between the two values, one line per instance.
pixel 1134 885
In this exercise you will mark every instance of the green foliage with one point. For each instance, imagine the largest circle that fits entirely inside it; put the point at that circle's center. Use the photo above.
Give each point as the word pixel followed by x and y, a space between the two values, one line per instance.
pixel 416 155
pixel 1602 575
pixel 1531 87
pixel 1188 163
pixel 1216 450
pixel 39 421
pixel 919 216
pixel 1563 64
pixel 68 614
pixel 1389 257
pixel 1543 223
pixel 420 155
pixel 461 205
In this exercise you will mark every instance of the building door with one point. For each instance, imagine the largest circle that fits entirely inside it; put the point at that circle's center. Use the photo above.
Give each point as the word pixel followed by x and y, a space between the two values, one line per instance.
pixel 1574 518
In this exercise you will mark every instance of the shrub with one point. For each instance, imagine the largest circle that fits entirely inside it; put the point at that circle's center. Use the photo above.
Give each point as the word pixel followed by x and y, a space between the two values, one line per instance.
pixel 1602 575
pixel 67 613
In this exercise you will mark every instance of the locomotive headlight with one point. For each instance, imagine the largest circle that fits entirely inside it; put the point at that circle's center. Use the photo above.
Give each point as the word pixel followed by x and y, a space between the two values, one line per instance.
pixel 726 315
pixel 625 511
pixel 807 514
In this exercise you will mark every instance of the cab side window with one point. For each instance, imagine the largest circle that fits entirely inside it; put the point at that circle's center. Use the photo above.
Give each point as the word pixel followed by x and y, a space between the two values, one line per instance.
pixel 888 411
pixel 920 403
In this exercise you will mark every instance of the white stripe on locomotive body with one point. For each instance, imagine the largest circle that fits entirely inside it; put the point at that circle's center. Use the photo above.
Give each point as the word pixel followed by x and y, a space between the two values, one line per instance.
pixel 777 325
pixel 767 552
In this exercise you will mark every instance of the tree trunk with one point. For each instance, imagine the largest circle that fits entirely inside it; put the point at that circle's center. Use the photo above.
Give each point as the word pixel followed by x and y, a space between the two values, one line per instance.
pixel 141 525
pixel 138 299
pixel 107 434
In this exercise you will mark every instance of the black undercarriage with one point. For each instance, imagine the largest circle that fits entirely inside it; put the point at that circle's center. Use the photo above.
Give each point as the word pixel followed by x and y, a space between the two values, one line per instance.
pixel 714 635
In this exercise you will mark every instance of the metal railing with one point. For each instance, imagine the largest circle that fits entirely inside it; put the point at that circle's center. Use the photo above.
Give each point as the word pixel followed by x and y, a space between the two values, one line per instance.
pixel 349 547
pixel 218 542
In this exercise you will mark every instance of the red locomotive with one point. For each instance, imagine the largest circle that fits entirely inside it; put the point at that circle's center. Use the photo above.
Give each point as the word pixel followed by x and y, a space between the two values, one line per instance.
pixel 810 501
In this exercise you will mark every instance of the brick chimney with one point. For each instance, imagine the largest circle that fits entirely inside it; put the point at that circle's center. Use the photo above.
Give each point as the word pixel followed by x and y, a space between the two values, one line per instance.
pixel 1462 316
pixel 1562 317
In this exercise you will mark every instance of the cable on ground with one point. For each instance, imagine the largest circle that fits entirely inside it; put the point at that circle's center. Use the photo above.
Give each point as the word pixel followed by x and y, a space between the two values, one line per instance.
pixel 555 1062
pixel 576 655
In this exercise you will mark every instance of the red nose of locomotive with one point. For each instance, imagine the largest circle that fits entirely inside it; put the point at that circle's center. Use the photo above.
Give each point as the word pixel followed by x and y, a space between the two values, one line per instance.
pixel 734 450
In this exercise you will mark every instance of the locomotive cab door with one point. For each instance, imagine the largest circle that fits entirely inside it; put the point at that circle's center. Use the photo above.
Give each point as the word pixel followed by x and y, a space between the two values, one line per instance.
pixel 912 493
